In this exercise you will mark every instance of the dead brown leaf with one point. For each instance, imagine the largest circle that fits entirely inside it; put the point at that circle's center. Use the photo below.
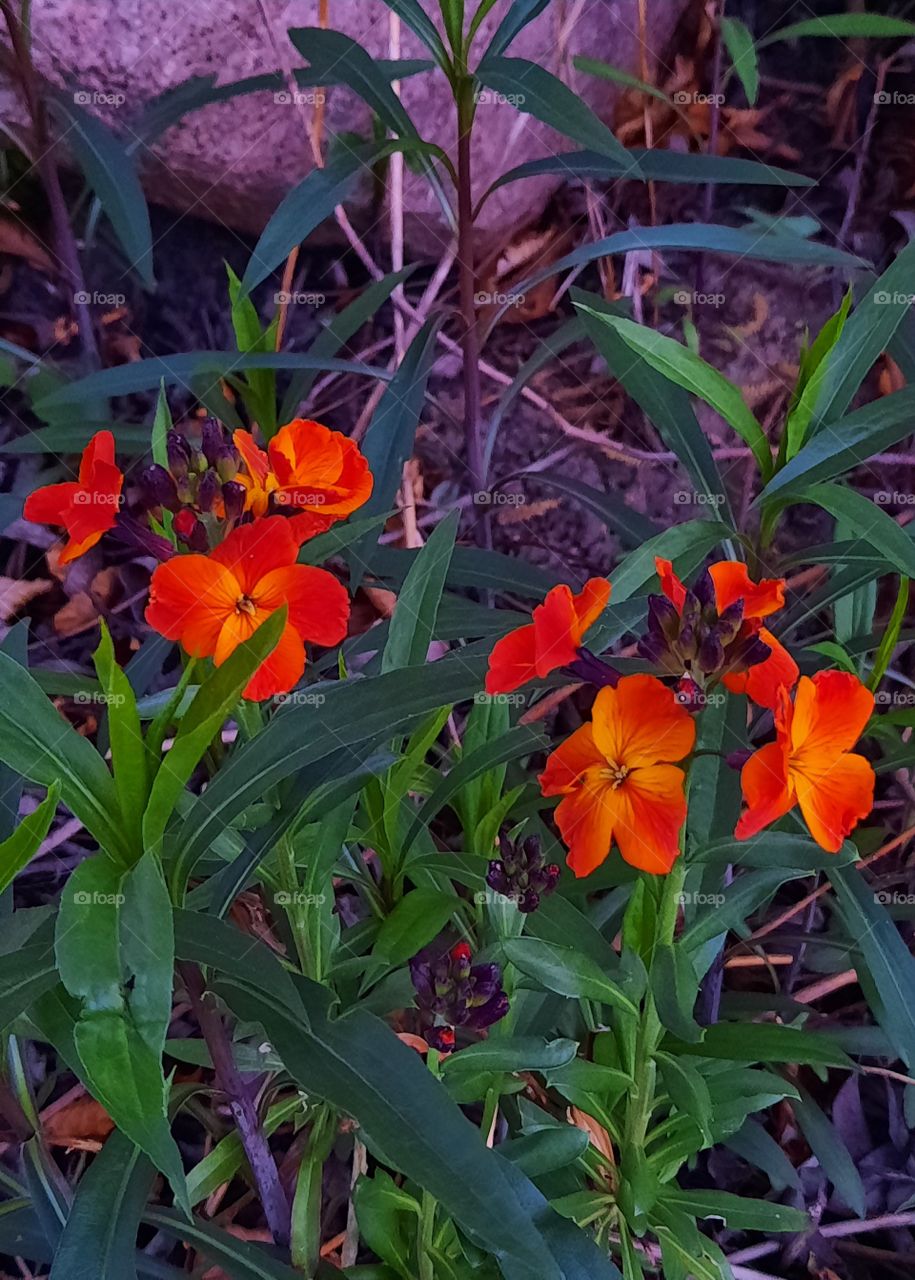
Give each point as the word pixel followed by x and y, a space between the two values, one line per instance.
pixel 18 241
pixel 15 593
pixel 82 1123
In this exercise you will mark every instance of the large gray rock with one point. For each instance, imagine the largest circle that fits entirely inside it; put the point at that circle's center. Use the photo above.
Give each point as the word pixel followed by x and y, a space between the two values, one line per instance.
pixel 232 162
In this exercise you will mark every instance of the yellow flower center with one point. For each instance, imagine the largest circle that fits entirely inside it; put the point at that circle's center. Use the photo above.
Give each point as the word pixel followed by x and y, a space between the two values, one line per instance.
pixel 616 774
pixel 244 604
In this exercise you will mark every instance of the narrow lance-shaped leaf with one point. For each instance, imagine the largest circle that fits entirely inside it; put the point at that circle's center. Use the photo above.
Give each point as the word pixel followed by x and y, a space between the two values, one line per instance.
pixel 18 849
pixel 413 622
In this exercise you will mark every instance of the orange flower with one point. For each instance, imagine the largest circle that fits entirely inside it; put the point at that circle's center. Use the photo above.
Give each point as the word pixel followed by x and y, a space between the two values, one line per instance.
pixel 87 507
pixel 762 681
pixel 551 640
pixel 212 603
pixel 811 763
pixel 319 476
pixel 617 781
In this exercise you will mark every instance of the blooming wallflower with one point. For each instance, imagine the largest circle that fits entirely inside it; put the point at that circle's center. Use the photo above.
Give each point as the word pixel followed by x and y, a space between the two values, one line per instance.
pixel 316 475
pixel 451 992
pixel 734 643
pixel 617 780
pixel 552 639
pixel 87 507
pixel 212 603
pixel 811 763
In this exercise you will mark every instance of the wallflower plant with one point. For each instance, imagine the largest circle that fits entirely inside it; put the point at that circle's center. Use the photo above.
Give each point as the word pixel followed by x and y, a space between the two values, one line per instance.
pixel 404 952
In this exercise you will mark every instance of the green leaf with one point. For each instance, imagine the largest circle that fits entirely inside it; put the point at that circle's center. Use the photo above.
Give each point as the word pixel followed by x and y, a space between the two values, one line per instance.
pixel 87 947
pixel 213 702
pixel 666 405
pixel 675 986
pixel 680 366
pixel 566 971
pixel 689 542
pixel 738 39
pixel 888 972
pixel 128 753
pixel 105 1215
pixel 239 1258
pixel 739 1213
pixel 842 26
pixel 221 1164
pixel 185 368
pixel 37 742
pixel 765 1042
pixel 388 441
pixel 629 525
pixel 359 1066
pixel 520 13
pixel 831 1152
pixel 814 363
pixel 367 711
pixel 536 92
pixel 604 71
pixel 413 622
pixel 866 335
pixel 738 901
pixel 19 849
pixel 753 1144
pixel 111 173
pixel 871 525
pixel 688 1092
pixel 418 918
pixel 147 944
pixel 845 444
pixel 25 975
pixel 512 1053
pixel 412 13
pixel 546 1149
pixel 890 637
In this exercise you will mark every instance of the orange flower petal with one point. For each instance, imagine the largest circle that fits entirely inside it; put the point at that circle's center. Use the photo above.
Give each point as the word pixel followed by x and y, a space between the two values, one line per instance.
pixel 75 548
pixel 308 524
pixel 733 582
pixel 586 818
pixel 190 598
pixel 556 638
pixel 320 468
pixel 569 762
pixel 51 503
pixel 835 800
pixel 671 585
pixel 652 811
pixel 763 681
pixel 830 712
pixel 100 449
pixel 281 670
pixel 252 550
pixel 590 603
pixel 766 788
pixel 640 722
pixel 512 661
pixel 318 603
pixel 255 459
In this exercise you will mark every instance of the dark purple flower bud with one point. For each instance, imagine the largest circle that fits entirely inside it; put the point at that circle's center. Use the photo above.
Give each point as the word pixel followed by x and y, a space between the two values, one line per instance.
pixel 593 670
pixel 711 654
pixel 663 617
pixel 213 442
pixel 158 487
pixel 451 992
pixel 705 590
pixel 207 489
pixel 729 622
pixel 440 1038
pixel 521 873
pixel 691 613
pixel 234 496
pixel 141 538
pixel 180 454
pixel 688 644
